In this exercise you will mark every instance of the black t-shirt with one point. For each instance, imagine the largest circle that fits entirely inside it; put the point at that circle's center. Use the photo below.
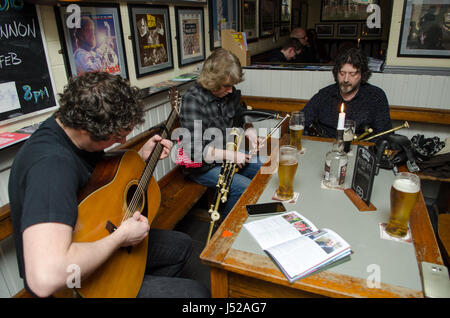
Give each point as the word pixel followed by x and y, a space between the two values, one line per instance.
pixel 46 176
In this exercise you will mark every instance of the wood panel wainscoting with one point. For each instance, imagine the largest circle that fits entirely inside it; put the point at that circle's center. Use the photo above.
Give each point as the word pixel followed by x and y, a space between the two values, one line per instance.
pixel 414 114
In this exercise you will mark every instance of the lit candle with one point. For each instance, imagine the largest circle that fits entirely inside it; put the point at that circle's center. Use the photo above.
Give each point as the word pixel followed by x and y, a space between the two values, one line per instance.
pixel 341 118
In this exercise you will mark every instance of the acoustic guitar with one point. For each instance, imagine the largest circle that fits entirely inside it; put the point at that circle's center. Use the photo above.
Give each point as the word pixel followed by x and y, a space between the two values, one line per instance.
pixel 120 185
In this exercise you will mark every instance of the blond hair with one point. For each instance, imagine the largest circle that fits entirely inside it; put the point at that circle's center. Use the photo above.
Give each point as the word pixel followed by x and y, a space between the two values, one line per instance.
pixel 221 68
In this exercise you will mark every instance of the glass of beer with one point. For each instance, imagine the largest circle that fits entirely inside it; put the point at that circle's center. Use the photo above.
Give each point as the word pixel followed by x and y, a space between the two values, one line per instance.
pixel 287 167
pixel 296 127
pixel 404 195
pixel 349 132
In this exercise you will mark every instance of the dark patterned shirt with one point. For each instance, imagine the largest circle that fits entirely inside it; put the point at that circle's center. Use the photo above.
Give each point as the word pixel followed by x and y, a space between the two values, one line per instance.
pixel 206 118
pixel 368 108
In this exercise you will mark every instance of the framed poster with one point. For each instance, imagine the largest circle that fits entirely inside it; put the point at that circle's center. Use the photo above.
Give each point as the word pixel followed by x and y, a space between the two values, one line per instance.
pixel 285 26
pixel 368 32
pixel 425 29
pixel 325 30
pixel 152 46
pixel 345 10
pixel 347 30
pixel 223 14
pixel 190 35
pixel 250 19
pixel 97 45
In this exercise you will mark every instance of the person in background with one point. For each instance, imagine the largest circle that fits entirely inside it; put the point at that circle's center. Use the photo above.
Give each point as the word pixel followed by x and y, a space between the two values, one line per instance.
pixel 364 103
pixel 317 45
pixel 308 54
pixel 97 110
pixel 287 53
pixel 213 104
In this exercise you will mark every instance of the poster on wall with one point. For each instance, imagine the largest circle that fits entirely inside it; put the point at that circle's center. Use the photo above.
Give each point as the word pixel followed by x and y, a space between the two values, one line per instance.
pixel 190 35
pixel 223 14
pixel 97 45
pixel 152 47
pixel 26 85
pixel 425 30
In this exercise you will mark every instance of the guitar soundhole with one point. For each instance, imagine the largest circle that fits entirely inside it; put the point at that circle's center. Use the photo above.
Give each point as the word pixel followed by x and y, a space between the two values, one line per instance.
pixel 135 203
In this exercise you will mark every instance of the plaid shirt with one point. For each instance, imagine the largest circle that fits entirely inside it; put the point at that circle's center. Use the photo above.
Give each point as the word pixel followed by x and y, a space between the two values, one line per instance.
pixel 200 108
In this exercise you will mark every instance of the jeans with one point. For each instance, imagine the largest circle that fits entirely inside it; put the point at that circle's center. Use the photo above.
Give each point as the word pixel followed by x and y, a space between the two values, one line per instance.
pixel 168 252
pixel 241 180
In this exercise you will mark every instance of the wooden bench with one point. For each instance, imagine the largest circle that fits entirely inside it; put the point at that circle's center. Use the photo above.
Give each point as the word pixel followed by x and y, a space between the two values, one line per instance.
pixel 414 114
pixel 178 196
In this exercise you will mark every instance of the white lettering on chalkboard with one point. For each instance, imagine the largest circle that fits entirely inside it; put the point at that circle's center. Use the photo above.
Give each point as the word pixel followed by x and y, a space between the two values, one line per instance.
pixel 74 19
pixel 17 29
pixel 9 59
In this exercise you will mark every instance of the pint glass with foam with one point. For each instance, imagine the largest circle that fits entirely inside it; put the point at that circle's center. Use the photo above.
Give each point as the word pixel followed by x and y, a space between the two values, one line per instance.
pixel 404 194
pixel 287 167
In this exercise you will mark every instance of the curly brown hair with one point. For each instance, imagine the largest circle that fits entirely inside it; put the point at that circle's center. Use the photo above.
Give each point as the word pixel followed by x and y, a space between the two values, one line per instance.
pixel 358 59
pixel 221 68
pixel 100 103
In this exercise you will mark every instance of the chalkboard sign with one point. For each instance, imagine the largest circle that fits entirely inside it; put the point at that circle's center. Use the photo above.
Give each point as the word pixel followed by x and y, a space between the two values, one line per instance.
pixel 25 83
pixel 364 173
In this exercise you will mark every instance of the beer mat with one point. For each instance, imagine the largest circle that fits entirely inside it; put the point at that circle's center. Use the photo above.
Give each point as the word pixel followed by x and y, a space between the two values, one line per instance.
pixel 385 236
pixel 293 200
pixel 323 186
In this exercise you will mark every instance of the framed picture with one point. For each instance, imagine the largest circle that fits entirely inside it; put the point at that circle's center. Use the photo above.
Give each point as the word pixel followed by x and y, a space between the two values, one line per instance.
pixel 150 32
pixel 425 29
pixel 97 45
pixel 190 35
pixel 267 17
pixel 345 10
pixel 325 30
pixel 347 30
pixel 250 19
pixel 223 14
pixel 367 32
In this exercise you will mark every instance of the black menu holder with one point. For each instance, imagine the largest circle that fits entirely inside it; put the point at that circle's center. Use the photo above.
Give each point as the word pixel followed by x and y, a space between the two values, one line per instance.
pixel 362 181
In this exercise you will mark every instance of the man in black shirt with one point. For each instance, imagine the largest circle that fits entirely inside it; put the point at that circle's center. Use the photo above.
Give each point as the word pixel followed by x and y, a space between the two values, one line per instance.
pixel 96 111
pixel 287 53
pixel 308 53
pixel 364 103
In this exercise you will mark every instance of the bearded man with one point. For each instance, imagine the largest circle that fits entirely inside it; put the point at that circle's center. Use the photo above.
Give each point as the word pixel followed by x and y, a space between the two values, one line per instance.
pixel 364 103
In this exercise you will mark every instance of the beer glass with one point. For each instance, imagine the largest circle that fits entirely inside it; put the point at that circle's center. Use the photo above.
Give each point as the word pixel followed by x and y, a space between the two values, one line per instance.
pixel 404 195
pixel 349 132
pixel 287 167
pixel 296 127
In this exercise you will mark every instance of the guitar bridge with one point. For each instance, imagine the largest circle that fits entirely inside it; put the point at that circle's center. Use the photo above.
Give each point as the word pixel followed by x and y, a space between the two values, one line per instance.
pixel 110 227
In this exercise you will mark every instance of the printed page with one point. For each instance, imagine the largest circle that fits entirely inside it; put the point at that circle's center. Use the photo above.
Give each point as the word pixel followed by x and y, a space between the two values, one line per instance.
pixel 277 229
pixel 306 254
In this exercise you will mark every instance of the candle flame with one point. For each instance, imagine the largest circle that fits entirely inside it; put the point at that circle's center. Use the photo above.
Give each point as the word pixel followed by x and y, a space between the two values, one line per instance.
pixel 342 107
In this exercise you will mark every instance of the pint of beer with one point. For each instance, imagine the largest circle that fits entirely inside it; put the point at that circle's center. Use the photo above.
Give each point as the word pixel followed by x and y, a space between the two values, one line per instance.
pixel 287 167
pixel 296 127
pixel 404 195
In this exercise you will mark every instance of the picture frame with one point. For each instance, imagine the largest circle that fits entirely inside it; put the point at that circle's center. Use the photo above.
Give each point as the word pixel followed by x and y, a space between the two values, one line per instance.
pixel 101 21
pixel 424 29
pixel 286 10
pixel 190 35
pixel 347 30
pixel 267 18
pixel 151 39
pixel 346 10
pixel 325 30
pixel 250 19
pixel 223 14
pixel 367 32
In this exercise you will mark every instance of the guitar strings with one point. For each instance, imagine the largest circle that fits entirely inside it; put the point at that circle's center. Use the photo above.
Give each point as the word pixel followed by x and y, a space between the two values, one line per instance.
pixel 146 176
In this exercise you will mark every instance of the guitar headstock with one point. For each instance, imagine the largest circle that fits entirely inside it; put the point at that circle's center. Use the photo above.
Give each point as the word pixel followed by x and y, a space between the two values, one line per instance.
pixel 175 99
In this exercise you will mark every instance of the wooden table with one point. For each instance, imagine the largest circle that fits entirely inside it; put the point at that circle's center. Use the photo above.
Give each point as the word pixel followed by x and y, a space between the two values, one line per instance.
pixel 236 273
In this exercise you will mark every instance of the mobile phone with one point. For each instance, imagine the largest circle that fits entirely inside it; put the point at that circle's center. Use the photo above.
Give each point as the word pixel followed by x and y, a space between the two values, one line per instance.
pixel 436 283
pixel 265 208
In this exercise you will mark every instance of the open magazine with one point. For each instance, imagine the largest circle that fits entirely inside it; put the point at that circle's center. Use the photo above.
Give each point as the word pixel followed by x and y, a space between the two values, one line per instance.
pixel 296 245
